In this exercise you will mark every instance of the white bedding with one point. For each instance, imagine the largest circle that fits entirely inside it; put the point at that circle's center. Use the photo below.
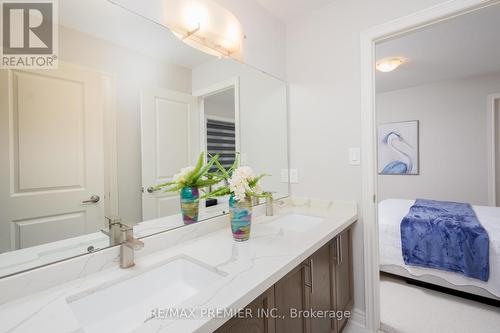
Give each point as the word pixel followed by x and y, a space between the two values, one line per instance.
pixel 392 211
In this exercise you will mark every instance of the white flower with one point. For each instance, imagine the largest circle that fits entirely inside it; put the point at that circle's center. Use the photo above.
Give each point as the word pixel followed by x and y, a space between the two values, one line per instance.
pixel 245 172
pixel 238 183
pixel 257 189
pixel 183 174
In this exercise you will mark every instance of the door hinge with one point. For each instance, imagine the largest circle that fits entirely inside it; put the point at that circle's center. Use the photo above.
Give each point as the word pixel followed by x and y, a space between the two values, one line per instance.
pixel 374 198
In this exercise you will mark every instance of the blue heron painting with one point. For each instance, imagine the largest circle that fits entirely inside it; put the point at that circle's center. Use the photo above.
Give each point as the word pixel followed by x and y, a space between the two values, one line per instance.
pixel 398 148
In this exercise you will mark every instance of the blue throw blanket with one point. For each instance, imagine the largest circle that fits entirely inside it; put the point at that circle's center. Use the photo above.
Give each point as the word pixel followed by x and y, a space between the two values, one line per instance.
pixel 447 236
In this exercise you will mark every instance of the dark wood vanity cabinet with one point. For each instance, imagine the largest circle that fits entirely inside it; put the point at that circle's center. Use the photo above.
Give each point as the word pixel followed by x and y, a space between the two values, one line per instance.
pixel 258 322
pixel 291 293
pixel 342 291
pixel 322 282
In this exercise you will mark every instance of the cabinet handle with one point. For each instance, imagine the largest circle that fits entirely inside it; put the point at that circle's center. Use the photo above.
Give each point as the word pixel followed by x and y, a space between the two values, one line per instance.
pixel 339 249
pixel 309 280
pixel 311 269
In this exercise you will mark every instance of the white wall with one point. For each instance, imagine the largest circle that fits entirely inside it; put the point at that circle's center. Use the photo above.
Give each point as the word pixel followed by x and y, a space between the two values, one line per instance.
pixel 263 117
pixel 132 72
pixel 217 109
pixel 323 69
pixel 264 46
pixel 453 153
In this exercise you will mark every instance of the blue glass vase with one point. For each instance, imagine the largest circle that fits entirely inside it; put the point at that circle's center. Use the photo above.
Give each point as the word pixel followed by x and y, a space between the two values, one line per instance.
pixel 241 218
pixel 190 204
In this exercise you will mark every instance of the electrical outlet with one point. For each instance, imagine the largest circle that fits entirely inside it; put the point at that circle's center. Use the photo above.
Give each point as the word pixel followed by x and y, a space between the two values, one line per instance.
pixel 284 175
pixel 294 176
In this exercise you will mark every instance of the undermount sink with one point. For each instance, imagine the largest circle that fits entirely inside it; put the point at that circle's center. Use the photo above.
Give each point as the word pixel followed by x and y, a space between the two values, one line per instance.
pixel 121 306
pixel 297 222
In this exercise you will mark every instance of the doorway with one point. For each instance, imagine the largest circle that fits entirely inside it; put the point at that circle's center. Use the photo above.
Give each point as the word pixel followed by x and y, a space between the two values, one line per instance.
pixel 369 168
pixel 496 138
pixel 220 132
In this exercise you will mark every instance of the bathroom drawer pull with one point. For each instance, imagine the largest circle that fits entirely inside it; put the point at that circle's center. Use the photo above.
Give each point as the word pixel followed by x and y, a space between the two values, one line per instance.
pixel 339 249
pixel 311 276
pixel 307 276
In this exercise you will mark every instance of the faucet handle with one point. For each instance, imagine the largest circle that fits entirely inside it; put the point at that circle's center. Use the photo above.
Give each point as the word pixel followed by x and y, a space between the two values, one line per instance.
pixel 113 220
pixel 269 203
pixel 128 238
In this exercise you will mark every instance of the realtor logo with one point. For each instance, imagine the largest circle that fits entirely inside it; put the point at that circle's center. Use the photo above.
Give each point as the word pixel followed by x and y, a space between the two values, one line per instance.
pixel 29 34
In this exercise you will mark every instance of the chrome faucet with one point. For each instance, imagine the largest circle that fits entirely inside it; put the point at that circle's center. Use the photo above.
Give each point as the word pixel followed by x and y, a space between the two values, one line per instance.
pixel 128 247
pixel 114 230
pixel 269 204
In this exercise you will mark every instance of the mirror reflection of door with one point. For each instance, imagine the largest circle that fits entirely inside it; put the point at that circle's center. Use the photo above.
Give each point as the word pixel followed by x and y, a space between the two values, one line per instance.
pixel 73 133
pixel 51 125
pixel 220 135
pixel 170 123
pixel 497 151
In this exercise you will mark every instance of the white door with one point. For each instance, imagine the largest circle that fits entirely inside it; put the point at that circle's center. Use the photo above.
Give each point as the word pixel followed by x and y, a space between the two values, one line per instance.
pixel 170 141
pixel 496 117
pixel 51 155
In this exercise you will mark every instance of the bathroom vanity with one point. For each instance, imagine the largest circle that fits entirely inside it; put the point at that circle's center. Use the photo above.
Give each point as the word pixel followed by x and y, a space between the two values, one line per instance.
pixel 298 259
pixel 89 242
pixel 321 285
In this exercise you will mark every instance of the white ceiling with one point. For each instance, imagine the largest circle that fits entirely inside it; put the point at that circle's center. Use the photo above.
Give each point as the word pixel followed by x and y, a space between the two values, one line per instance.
pixel 107 21
pixel 288 10
pixel 465 46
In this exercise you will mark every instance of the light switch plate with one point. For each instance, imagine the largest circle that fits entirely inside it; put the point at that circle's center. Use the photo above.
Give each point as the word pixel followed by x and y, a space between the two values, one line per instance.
pixel 354 156
pixel 284 175
pixel 294 176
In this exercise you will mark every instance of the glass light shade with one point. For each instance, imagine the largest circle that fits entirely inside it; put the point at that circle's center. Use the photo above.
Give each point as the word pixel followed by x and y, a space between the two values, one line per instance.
pixel 389 64
pixel 202 24
pixel 205 25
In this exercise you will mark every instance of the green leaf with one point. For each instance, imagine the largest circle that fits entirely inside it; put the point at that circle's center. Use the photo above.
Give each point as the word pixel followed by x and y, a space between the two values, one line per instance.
pixel 235 165
pixel 263 195
pixel 208 182
pixel 254 181
pixel 175 188
pixel 160 186
pixel 225 174
pixel 205 169
pixel 220 192
pixel 190 178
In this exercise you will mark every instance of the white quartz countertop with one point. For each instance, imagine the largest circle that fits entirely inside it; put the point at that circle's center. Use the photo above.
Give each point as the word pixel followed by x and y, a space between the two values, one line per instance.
pixel 246 269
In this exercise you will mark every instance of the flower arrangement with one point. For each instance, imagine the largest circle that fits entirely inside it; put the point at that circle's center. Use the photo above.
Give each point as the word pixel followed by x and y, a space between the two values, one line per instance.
pixel 241 183
pixel 193 177
pixel 188 182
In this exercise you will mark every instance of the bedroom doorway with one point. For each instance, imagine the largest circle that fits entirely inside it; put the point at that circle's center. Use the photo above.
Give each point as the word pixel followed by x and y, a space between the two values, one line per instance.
pixel 431 140
pixel 496 148
pixel 404 144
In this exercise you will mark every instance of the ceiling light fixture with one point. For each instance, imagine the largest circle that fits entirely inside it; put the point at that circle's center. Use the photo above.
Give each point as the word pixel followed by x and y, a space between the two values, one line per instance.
pixel 205 25
pixel 389 64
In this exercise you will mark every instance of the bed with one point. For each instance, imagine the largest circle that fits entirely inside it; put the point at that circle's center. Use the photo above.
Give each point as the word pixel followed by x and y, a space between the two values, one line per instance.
pixel 392 211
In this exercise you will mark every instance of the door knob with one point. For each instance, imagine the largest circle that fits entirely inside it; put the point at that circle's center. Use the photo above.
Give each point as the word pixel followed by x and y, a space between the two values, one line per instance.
pixel 93 199
pixel 152 189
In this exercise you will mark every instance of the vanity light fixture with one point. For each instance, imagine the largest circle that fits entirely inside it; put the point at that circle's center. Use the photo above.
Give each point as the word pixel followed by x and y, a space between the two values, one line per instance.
pixel 205 25
pixel 389 64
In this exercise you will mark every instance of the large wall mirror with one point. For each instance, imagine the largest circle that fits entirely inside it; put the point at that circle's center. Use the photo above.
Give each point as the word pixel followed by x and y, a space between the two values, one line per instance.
pixel 128 106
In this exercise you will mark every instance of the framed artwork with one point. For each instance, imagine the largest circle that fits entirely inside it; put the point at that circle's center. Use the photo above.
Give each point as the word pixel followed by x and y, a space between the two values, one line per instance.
pixel 398 148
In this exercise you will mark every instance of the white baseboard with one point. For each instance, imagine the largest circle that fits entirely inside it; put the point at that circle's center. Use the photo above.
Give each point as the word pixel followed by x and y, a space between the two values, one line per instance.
pixel 357 323
pixel 358 317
